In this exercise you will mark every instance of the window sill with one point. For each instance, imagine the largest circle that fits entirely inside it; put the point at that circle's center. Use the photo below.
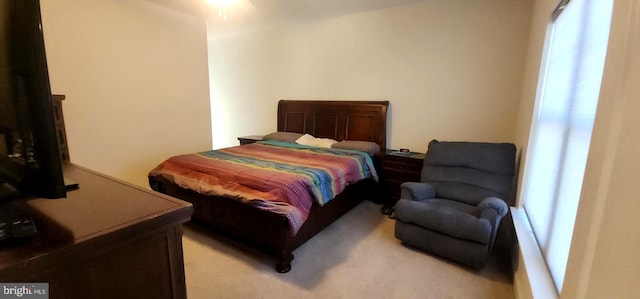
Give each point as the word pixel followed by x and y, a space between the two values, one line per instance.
pixel 532 278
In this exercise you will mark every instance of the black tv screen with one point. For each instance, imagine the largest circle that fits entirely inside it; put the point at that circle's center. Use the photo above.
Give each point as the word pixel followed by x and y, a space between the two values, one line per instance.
pixel 29 154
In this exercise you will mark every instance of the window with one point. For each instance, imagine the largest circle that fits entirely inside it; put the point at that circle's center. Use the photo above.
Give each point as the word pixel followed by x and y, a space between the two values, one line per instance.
pixel 566 103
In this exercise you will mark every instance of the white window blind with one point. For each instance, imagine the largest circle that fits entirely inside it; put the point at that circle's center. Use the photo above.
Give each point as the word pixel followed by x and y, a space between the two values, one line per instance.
pixel 565 110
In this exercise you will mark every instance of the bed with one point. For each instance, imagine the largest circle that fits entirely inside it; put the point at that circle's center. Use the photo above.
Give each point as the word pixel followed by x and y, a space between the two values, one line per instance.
pixel 271 232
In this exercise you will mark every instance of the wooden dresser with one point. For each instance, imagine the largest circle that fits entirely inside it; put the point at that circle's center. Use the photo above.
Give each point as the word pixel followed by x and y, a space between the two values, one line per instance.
pixel 395 169
pixel 107 239
pixel 249 139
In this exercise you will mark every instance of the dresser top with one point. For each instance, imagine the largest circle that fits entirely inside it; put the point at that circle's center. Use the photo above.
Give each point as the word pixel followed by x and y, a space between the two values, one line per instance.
pixel 100 207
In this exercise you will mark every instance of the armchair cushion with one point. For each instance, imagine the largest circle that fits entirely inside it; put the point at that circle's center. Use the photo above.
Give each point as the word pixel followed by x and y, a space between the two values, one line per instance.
pixel 470 171
pixel 445 220
pixel 416 191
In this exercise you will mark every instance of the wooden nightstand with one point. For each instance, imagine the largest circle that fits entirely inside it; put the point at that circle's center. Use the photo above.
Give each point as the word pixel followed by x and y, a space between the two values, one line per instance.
pixel 249 139
pixel 395 169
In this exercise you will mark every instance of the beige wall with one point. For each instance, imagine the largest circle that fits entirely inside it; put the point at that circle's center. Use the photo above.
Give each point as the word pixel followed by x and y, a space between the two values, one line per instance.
pixel 603 262
pixel 135 77
pixel 451 69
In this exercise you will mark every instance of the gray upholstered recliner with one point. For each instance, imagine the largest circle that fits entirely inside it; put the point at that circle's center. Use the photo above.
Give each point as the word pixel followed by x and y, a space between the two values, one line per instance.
pixel 456 210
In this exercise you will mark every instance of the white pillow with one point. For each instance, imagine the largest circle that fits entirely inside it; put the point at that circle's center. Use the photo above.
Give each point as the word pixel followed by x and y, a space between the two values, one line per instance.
pixel 309 140
pixel 305 139
pixel 324 142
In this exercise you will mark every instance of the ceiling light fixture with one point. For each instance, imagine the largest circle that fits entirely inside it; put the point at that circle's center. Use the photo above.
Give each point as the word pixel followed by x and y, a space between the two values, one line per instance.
pixel 222 6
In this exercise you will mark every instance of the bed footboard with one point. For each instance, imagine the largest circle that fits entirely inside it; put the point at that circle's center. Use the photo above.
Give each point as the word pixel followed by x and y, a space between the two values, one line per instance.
pixel 267 232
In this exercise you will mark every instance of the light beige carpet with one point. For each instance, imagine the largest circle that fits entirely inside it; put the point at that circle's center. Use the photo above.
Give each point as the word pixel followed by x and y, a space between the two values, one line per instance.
pixel 356 257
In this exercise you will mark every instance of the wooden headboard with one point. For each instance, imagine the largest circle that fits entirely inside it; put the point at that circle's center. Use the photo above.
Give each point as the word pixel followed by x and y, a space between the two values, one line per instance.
pixel 339 120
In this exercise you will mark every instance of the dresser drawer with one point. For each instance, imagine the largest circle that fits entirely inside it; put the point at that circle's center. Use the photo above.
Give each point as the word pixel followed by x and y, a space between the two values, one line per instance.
pixel 402 176
pixel 401 166
pixel 397 169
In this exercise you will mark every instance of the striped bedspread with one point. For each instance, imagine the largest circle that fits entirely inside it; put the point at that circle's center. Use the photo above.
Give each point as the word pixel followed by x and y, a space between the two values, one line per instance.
pixel 280 177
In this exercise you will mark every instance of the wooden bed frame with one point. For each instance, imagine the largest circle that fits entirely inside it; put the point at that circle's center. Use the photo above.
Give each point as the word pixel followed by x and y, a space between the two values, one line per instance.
pixel 269 232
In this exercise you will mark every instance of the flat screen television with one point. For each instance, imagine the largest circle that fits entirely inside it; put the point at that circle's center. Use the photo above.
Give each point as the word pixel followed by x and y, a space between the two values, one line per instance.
pixel 30 163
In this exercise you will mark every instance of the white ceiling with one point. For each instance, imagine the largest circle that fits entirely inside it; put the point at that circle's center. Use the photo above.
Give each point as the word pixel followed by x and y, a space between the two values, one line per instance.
pixel 249 15
pixel 304 9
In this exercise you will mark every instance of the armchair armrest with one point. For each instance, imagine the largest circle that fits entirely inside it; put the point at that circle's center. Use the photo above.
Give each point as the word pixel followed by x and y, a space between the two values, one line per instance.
pixel 416 191
pixel 492 209
pixel 494 203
